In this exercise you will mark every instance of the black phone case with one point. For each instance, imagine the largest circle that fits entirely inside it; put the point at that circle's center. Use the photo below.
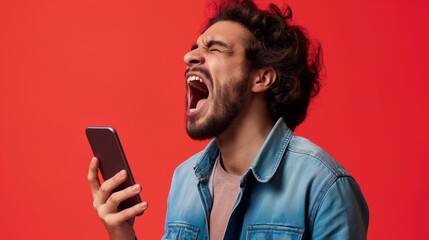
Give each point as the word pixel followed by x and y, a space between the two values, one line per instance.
pixel 107 148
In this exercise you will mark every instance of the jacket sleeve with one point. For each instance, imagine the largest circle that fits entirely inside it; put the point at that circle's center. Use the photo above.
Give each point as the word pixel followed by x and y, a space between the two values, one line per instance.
pixel 343 213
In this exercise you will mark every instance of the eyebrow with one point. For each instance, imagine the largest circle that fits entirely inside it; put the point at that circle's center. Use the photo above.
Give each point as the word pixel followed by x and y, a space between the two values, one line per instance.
pixel 215 42
pixel 211 43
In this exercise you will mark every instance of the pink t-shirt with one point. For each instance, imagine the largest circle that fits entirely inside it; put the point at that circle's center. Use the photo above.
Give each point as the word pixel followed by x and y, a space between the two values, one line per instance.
pixel 225 191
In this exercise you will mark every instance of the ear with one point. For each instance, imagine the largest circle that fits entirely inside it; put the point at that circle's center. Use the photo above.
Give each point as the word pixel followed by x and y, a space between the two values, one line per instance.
pixel 263 79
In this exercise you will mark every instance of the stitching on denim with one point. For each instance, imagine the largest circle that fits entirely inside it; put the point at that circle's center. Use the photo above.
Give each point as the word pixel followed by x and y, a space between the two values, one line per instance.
pixel 192 229
pixel 204 154
pixel 321 157
pixel 183 225
pixel 284 146
pixel 320 197
pixel 275 227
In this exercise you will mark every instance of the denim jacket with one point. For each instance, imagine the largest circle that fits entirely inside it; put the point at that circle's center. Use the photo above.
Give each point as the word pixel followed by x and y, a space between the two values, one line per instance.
pixel 292 190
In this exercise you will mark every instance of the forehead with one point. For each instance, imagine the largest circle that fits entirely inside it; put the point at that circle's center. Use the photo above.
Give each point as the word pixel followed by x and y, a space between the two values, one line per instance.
pixel 232 33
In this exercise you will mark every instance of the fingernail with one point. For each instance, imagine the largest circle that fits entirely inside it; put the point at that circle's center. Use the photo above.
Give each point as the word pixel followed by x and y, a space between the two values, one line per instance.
pixel 122 173
pixel 143 205
pixel 136 188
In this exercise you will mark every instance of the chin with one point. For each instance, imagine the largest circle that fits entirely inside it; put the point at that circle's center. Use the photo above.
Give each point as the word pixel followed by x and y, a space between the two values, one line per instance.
pixel 198 135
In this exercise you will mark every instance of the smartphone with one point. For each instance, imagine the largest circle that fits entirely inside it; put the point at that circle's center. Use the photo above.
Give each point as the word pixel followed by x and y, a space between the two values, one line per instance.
pixel 107 148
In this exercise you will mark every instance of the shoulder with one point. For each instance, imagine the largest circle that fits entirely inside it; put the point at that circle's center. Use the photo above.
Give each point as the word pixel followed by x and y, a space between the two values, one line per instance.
pixel 302 151
pixel 188 165
pixel 332 187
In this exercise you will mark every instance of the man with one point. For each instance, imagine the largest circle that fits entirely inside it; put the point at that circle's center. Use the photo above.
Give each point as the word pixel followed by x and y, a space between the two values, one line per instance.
pixel 250 78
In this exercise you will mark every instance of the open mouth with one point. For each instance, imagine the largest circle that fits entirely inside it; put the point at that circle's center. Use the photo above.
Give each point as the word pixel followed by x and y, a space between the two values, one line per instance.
pixel 198 93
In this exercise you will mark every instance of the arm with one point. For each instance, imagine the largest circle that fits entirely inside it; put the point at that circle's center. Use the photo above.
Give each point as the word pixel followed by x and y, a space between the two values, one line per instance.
pixel 343 212
pixel 118 224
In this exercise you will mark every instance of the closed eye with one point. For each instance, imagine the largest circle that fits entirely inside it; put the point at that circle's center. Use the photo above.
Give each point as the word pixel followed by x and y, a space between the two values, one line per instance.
pixel 213 46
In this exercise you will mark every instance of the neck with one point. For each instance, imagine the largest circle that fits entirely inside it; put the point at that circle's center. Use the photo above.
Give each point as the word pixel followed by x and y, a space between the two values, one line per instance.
pixel 241 142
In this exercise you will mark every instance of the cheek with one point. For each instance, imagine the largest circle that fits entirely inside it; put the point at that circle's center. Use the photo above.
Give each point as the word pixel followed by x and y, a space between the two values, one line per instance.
pixel 226 73
pixel 230 72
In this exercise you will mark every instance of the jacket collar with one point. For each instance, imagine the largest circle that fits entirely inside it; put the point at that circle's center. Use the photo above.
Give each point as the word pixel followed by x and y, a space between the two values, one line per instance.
pixel 205 163
pixel 266 162
pixel 269 157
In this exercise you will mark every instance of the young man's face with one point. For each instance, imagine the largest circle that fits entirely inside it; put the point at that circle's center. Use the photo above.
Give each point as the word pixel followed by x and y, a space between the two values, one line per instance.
pixel 217 79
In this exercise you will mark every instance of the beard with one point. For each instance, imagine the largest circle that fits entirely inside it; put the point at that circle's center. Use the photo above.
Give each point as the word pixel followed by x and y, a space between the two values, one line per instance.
pixel 226 107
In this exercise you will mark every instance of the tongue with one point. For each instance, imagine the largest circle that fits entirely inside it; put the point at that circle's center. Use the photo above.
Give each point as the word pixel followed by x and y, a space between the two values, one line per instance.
pixel 200 103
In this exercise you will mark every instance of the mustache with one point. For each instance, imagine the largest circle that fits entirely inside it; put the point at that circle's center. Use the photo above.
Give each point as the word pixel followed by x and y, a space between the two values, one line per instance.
pixel 201 70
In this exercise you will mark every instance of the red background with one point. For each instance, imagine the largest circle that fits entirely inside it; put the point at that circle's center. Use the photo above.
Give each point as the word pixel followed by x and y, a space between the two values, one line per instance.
pixel 65 65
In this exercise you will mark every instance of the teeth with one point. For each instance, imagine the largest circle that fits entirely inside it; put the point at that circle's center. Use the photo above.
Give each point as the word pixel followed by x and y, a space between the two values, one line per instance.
pixel 194 78
pixel 190 81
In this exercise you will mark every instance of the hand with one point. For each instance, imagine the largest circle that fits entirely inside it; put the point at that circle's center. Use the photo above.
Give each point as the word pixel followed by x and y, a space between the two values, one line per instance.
pixel 119 224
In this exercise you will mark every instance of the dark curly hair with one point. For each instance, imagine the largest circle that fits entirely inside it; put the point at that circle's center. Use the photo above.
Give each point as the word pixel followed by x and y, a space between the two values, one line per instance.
pixel 286 47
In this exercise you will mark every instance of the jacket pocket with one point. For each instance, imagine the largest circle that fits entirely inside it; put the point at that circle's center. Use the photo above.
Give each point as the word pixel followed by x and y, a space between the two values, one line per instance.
pixel 181 231
pixel 273 232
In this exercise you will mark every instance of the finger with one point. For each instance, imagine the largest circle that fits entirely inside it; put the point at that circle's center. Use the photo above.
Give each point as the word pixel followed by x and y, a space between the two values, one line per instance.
pixel 93 180
pixel 126 214
pixel 107 187
pixel 116 198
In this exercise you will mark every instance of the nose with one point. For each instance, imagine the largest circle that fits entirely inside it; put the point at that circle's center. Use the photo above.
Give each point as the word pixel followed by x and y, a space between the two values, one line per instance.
pixel 194 57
